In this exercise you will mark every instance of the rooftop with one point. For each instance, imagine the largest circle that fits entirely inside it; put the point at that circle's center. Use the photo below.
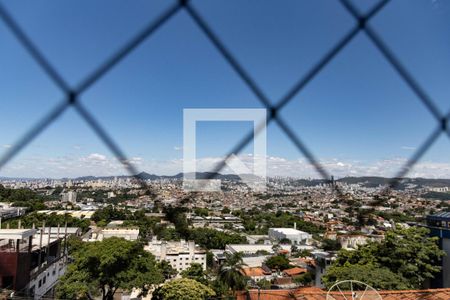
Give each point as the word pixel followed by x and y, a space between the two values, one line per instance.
pixel 288 230
pixel 172 247
pixel 313 293
pixel 16 234
pixel 295 271
pixel 258 271
pixel 249 247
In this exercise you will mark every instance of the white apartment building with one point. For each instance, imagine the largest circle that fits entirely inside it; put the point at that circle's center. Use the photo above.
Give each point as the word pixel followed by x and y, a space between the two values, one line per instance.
pixel 179 254
pixel 295 236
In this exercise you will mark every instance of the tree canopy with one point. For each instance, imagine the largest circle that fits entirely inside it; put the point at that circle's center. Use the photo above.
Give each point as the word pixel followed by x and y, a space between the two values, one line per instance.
pixel 183 289
pixel 373 275
pixel 230 272
pixel 256 221
pixel 23 198
pixel 195 271
pixel 409 254
pixel 331 245
pixel 52 220
pixel 100 268
pixel 213 239
pixel 278 262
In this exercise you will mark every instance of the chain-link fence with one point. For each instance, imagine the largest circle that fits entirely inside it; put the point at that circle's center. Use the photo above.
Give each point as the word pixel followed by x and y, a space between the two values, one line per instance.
pixel 72 94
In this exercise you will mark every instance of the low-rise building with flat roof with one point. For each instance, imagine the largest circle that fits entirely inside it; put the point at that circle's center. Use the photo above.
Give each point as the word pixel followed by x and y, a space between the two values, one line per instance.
pixel 291 234
pixel 130 234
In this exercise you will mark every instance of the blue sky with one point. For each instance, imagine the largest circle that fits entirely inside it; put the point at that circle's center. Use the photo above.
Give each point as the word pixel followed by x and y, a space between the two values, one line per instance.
pixel 357 116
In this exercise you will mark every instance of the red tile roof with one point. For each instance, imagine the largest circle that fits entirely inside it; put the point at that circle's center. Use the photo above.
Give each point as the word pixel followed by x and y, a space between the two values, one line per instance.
pixel 294 271
pixel 313 293
pixel 254 272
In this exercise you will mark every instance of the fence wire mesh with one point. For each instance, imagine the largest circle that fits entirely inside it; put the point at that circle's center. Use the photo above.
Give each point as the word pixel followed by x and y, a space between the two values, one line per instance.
pixel 72 94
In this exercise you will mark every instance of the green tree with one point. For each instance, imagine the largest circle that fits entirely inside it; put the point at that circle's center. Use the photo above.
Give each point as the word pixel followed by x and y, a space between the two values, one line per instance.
pixel 278 262
pixel 52 220
pixel 409 253
pixel 213 239
pixel 285 241
pixel 183 289
pixel 264 284
pixel 100 268
pixel 303 253
pixel 304 279
pixel 373 275
pixel 23 198
pixel 331 245
pixel 231 272
pixel 111 213
pixel 195 271
pixel 167 270
pixel 203 212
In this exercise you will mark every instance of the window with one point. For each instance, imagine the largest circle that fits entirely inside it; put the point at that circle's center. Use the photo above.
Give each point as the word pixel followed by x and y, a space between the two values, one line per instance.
pixel 44 280
pixel 40 283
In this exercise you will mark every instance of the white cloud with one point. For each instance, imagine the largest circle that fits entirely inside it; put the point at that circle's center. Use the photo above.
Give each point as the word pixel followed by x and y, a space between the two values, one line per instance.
pixel 96 157
pixel 177 148
pixel 101 165
pixel 408 148
pixel 6 146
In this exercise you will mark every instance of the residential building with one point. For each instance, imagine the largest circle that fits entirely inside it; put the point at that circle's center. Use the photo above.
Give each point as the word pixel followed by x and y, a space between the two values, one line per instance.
pixel 179 254
pixel 32 260
pixel 323 261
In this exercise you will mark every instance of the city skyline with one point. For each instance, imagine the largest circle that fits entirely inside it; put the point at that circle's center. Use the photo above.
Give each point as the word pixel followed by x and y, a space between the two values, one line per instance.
pixel 99 165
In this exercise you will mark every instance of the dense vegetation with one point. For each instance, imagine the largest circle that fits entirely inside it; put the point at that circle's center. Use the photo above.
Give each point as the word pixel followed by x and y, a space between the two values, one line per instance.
pixel 259 222
pixel 278 262
pixel 206 237
pixel 183 289
pixel 403 260
pixel 22 198
pixel 100 268
pixel 213 239
pixel 50 220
